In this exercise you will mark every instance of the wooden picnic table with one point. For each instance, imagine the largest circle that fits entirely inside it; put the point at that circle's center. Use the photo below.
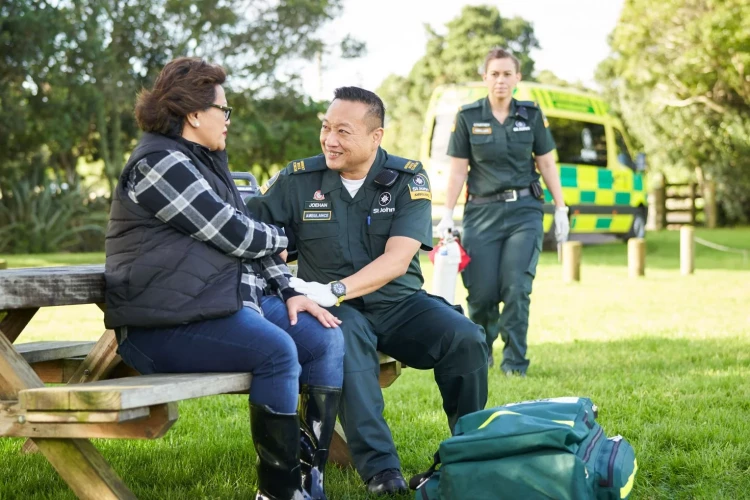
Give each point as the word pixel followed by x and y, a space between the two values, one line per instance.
pixel 102 398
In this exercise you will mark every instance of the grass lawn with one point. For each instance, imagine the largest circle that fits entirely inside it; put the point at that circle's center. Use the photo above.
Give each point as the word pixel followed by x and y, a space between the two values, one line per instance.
pixel 665 357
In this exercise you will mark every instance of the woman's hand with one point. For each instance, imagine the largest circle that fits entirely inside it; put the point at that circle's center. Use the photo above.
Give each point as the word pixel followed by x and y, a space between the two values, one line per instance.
pixel 301 303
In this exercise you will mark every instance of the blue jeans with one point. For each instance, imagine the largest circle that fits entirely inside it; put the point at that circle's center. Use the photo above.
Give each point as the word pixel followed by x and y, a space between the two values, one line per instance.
pixel 280 356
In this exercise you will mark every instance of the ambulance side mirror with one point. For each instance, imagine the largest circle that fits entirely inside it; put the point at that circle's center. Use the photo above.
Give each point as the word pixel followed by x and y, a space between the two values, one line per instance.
pixel 640 162
pixel 249 188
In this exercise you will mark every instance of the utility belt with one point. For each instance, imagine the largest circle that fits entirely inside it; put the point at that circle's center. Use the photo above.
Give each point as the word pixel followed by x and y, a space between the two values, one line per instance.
pixel 509 195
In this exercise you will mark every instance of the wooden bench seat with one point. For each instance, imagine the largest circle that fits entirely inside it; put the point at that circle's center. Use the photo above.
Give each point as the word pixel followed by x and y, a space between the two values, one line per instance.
pixel 51 350
pixel 132 392
pixel 55 362
pixel 96 402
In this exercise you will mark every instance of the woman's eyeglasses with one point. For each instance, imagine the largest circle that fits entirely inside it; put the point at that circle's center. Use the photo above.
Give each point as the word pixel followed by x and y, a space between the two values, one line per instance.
pixel 226 109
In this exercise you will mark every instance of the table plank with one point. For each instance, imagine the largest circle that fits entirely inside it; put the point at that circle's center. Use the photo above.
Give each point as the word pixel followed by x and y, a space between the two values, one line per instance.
pixel 48 350
pixel 51 286
pixel 15 321
pixel 133 392
pixel 15 372
pixel 15 422
pixel 88 417
pixel 76 460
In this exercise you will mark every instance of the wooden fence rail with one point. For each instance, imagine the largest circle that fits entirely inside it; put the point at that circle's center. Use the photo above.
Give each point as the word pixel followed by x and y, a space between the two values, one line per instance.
pixel 678 203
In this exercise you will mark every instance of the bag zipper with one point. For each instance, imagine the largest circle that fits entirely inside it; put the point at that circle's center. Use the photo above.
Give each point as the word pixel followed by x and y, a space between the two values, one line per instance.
pixel 586 420
pixel 611 465
pixel 591 445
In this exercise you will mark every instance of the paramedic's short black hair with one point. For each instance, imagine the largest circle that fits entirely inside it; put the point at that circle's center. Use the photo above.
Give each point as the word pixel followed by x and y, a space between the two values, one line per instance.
pixel 376 110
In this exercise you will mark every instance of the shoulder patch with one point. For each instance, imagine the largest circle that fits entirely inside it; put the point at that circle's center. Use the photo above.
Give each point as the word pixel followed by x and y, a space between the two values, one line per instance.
pixel 312 164
pixel 528 104
pixel 270 182
pixel 403 165
pixel 471 105
pixel 419 187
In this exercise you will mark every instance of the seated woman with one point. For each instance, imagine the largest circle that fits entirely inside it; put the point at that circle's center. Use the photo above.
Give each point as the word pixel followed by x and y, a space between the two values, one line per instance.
pixel 194 284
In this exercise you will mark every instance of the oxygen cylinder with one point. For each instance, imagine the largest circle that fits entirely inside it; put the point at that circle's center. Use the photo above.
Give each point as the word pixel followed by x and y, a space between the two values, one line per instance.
pixel 445 271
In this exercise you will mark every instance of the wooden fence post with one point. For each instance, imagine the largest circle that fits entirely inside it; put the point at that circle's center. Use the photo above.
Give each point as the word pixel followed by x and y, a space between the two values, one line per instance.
pixel 636 257
pixel 693 196
pixel 660 201
pixel 687 250
pixel 709 200
pixel 571 259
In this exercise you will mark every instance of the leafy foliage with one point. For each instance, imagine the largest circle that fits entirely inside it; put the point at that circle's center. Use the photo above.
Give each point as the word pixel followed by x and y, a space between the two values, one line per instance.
pixel 678 73
pixel 453 57
pixel 70 71
pixel 273 131
pixel 39 214
pixel 69 89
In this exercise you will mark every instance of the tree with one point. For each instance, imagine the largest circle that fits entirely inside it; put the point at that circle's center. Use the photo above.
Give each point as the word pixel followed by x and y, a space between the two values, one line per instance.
pixel 678 74
pixel 73 83
pixel 547 77
pixel 453 57
pixel 272 131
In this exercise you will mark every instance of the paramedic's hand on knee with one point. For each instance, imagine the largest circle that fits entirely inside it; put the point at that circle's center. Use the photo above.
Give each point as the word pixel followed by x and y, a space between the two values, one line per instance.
pixel 562 224
pixel 317 292
pixel 446 223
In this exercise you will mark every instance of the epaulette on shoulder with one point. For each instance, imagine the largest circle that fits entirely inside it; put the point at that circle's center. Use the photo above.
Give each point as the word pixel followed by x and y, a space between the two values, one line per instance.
pixel 528 104
pixel 471 105
pixel 403 165
pixel 312 164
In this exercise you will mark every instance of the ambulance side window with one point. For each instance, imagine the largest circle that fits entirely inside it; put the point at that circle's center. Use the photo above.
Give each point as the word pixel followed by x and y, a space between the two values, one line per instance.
pixel 441 135
pixel 623 155
pixel 579 142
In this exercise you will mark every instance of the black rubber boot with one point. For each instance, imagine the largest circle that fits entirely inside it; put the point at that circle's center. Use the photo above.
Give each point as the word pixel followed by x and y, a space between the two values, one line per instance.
pixel 318 409
pixel 276 437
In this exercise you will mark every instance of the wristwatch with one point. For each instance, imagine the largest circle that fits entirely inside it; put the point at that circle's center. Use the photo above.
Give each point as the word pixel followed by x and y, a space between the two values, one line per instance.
pixel 339 290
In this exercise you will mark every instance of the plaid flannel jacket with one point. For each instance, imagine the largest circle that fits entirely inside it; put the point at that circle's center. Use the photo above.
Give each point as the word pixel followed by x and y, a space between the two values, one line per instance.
pixel 167 184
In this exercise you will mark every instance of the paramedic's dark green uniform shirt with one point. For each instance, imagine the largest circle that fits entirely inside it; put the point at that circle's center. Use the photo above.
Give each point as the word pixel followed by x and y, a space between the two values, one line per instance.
pixel 336 235
pixel 500 156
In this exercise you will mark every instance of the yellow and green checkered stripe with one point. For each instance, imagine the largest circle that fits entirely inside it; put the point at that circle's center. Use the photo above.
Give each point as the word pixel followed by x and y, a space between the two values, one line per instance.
pixel 567 101
pixel 596 206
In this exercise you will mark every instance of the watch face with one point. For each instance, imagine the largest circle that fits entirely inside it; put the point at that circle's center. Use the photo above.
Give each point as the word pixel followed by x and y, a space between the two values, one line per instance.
pixel 338 289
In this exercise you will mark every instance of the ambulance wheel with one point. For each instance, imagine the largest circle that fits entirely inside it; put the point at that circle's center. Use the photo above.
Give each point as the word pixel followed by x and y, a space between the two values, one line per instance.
pixel 638 229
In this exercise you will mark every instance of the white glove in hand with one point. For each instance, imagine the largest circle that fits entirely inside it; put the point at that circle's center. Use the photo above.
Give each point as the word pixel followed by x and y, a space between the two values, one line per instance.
pixel 562 224
pixel 446 223
pixel 317 292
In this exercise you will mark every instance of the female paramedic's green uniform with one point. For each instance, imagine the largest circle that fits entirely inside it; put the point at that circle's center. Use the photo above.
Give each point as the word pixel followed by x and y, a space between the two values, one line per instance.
pixel 502 219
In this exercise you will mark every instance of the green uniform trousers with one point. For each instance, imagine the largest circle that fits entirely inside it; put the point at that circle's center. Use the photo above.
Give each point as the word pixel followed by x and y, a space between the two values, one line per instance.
pixel 504 240
pixel 423 332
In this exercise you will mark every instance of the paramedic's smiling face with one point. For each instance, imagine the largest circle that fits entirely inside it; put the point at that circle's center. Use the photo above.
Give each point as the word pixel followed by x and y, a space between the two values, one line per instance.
pixel 501 77
pixel 350 138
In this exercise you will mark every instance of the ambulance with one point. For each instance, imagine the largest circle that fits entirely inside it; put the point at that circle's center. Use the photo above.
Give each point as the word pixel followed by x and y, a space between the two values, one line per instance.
pixel 602 183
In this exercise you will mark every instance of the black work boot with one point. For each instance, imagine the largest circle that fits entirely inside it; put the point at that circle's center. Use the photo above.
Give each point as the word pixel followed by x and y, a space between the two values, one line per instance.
pixel 387 482
pixel 276 439
pixel 318 409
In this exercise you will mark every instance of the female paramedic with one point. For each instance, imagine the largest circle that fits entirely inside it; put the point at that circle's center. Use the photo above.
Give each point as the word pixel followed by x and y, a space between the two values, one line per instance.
pixel 507 144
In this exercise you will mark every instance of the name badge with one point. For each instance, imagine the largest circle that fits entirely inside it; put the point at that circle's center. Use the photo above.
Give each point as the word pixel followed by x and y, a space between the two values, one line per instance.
pixel 317 205
pixel 481 130
pixel 316 215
